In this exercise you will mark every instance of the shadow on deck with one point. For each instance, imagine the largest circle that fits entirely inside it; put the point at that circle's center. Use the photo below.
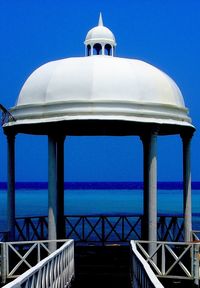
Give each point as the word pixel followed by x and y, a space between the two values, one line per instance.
pixel 110 266
pixel 102 266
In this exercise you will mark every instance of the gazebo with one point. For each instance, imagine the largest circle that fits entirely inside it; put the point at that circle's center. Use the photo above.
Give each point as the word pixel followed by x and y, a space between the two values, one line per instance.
pixel 99 94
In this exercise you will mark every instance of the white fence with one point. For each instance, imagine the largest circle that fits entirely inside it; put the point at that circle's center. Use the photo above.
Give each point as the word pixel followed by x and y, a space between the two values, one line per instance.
pixel 17 257
pixel 56 270
pixel 142 275
pixel 173 260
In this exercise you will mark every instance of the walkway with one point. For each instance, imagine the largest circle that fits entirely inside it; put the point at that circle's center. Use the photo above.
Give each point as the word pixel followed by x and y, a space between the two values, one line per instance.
pixel 102 266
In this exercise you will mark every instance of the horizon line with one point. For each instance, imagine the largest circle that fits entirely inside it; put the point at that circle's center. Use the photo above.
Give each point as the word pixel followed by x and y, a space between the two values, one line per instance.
pixel 98 185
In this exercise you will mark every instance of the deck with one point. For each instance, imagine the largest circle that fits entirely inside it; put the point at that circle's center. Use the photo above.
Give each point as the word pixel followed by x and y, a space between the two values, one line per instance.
pixel 103 255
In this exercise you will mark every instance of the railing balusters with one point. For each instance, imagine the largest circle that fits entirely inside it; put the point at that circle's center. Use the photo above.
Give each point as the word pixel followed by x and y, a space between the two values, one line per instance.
pixel 143 275
pixel 175 260
pixel 48 272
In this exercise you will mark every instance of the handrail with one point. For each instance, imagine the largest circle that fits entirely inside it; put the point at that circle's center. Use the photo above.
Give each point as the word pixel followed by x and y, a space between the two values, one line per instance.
pixel 17 257
pixel 142 272
pixel 172 259
pixel 56 270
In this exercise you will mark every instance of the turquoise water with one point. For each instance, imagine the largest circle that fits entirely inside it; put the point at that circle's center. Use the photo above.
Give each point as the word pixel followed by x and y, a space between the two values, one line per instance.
pixel 35 202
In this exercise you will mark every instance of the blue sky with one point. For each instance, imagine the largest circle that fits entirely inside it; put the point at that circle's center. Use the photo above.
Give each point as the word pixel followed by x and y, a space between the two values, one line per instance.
pixel 163 33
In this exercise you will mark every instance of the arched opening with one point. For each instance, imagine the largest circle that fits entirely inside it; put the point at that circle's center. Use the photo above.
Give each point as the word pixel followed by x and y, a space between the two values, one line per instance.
pixel 97 49
pixel 108 49
pixel 88 50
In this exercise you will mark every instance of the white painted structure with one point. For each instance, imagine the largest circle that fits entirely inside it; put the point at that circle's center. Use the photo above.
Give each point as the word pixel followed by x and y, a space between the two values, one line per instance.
pixel 56 270
pixel 101 95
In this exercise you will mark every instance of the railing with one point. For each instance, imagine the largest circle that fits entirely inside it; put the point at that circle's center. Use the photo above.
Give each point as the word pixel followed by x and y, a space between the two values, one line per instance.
pixel 6 115
pixel 175 260
pixel 142 274
pixel 17 257
pixel 103 228
pixel 195 235
pixel 31 228
pixel 170 228
pixel 56 270
pixel 100 228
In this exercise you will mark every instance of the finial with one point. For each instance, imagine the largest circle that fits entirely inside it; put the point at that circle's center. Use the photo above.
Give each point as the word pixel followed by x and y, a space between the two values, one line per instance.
pixel 100 20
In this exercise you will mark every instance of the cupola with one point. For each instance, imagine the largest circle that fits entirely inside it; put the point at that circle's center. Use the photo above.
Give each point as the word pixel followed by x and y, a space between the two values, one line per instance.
pixel 100 40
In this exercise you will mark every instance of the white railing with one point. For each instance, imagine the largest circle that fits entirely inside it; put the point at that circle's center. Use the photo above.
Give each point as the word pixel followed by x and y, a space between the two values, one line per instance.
pixel 175 260
pixel 17 257
pixel 56 270
pixel 142 274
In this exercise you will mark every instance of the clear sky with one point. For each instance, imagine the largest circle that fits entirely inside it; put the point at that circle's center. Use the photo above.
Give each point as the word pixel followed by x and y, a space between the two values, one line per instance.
pixel 163 33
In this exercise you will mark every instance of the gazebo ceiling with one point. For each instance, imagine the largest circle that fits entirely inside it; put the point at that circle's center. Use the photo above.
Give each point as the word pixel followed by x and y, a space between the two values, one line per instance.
pixel 99 88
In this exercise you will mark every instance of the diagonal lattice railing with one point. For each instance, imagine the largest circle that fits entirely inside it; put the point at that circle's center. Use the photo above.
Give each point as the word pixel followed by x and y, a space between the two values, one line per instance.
pixel 31 228
pixel 170 228
pixel 6 116
pixel 22 255
pixel 142 274
pixel 103 228
pixel 100 228
pixel 36 266
pixel 177 260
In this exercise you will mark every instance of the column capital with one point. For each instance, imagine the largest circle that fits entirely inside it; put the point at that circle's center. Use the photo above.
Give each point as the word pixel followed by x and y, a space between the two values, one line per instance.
pixel 187 135
pixel 152 131
pixel 56 136
pixel 10 135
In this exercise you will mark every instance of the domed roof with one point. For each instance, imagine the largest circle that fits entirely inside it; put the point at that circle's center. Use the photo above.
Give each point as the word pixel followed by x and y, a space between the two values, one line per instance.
pixel 100 87
pixel 100 33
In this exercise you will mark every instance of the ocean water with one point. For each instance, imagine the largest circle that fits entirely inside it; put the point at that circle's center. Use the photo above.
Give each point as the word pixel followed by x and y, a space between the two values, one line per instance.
pixel 34 202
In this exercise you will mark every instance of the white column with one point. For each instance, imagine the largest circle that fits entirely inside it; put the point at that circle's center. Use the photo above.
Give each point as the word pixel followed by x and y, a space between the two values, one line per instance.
pixel 52 192
pixel 187 207
pixel 11 186
pixel 103 49
pixel 60 187
pixel 150 186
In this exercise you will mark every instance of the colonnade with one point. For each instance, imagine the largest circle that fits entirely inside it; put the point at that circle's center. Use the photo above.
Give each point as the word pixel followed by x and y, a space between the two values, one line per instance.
pixel 56 222
pixel 104 49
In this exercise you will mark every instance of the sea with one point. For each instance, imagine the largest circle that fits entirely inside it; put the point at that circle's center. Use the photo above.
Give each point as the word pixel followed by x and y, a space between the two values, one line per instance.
pixel 103 198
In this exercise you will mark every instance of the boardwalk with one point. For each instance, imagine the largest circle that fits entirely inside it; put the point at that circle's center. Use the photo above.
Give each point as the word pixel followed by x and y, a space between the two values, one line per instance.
pixel 102 266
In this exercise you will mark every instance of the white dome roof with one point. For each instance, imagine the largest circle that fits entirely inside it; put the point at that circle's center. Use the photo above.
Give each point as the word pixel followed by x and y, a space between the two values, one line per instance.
pixel 100 34
pixel 100 87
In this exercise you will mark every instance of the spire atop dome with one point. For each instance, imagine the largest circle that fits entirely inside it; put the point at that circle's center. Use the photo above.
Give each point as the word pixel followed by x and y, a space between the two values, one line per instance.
pixel 100 20
pixel 100 40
